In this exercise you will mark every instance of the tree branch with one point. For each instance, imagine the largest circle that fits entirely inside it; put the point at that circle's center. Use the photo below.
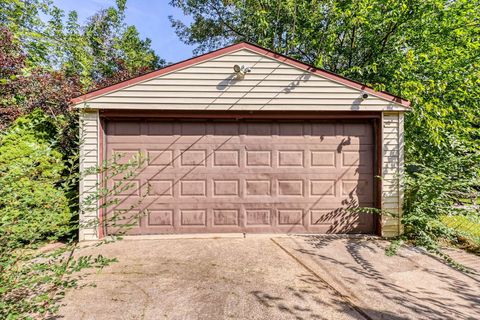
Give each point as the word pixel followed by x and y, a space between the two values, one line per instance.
pixel 225 23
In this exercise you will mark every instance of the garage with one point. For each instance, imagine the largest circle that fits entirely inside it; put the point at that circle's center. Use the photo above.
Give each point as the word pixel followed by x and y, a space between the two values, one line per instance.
pixel 280 147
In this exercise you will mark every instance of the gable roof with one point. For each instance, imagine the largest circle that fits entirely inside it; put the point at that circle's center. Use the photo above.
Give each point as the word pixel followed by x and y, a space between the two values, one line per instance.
pixel 235 47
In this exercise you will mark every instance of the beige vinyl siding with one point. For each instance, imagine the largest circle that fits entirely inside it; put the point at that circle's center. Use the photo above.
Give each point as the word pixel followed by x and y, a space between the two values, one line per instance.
pixel 210 85
pixel 392 172
pixel 89 148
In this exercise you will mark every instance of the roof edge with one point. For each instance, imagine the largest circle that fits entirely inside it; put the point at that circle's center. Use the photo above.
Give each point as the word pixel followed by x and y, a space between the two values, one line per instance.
pixel 159 72
pixel 328 74
pixel 234 47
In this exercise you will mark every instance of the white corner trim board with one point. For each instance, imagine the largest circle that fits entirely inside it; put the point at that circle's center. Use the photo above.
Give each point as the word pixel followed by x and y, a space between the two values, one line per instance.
pixel 89 155
pixel 392 171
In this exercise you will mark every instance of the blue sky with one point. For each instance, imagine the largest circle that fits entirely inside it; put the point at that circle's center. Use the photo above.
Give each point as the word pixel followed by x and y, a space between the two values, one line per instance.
pixel 149 16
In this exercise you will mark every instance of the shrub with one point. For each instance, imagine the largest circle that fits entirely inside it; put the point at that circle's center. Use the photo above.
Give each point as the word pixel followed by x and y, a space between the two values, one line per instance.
pixel 38 181
pixel 35 183
pixel 444 188
pixel 33 206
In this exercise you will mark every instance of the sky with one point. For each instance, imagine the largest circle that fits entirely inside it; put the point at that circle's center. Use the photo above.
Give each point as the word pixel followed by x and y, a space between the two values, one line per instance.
pixel 149 16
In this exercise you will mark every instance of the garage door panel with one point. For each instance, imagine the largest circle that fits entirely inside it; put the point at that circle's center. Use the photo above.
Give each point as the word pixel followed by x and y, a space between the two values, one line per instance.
pixel 207 176
pixel 160 218
pixel 327 217
pixel 171 187
pixel 161 188
pixel 124 221
pixel 161 157
pixel 126 188
pixel 160 129
pixel 125 156
pixel 229 156
pixel 122 128
pixel 290 216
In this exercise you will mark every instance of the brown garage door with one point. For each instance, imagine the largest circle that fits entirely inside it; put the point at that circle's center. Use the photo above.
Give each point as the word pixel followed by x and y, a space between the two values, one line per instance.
pixel 243 176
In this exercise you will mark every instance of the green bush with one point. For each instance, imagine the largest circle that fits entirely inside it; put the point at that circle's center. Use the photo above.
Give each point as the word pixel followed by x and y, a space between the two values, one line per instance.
pixel 38 184
pixel 444 188
pixel 33 205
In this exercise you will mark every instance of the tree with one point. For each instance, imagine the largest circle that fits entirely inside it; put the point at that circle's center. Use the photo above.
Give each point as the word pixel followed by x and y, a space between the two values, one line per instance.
pixel 23 19
pixel 94 51
pixel 32 205
pixel 106 46
pixel 23 88
pixel 46 62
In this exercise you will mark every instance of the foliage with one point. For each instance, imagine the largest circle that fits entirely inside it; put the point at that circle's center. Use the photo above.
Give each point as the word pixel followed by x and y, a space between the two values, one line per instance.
pixel 93 52
pixel 23 18
pixel 392 249
pixel 425 51
pixel 32 206
pixel 45 60
pixel 468 225
pixel 103 47
pixel 24 89
pixel 436 192
pixel 32 281
pixel 35 209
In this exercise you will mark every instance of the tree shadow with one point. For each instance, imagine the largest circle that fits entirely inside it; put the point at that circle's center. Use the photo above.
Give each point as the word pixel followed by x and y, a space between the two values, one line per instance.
pixel 450 300
pixel 314 300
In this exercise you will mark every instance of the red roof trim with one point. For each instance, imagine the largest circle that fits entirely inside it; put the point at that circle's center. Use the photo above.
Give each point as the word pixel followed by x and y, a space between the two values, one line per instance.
pixel 235 47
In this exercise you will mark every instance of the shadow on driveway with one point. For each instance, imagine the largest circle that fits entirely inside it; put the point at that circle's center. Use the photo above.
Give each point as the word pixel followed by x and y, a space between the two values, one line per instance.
pixel 410 285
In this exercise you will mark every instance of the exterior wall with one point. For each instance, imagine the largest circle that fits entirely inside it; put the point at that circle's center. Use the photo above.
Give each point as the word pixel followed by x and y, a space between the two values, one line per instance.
pixel 89 152
pixel 392 172
pixel 211 85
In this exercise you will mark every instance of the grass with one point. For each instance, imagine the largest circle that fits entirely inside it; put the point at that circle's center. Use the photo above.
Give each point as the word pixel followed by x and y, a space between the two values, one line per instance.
pixel 468 228
pixel 464 224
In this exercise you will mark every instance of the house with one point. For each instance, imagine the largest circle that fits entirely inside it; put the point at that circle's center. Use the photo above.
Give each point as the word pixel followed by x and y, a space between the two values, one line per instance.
pixel 243 140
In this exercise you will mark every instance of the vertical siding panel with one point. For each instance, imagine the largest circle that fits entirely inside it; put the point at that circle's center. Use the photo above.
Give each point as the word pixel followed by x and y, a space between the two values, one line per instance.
pixel 401 168
pixel 89 125
pixel 393 144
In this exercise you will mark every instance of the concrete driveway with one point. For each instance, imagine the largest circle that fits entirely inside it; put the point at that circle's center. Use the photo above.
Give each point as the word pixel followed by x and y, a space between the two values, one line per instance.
pixel 260 277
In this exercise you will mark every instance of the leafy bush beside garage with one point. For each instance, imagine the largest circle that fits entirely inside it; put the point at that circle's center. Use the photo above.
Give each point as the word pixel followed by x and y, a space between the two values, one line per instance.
pixel 34 211
pixel 438 195
pixel 33 205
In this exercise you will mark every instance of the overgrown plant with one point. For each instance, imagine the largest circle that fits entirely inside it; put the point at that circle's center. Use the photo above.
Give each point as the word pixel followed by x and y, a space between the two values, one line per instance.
pixel 45 60
pixel 447 188
pixel 433 192
pixel 35 211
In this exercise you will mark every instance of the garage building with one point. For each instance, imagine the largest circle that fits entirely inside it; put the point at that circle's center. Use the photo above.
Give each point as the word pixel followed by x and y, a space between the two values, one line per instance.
pixel 242 140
